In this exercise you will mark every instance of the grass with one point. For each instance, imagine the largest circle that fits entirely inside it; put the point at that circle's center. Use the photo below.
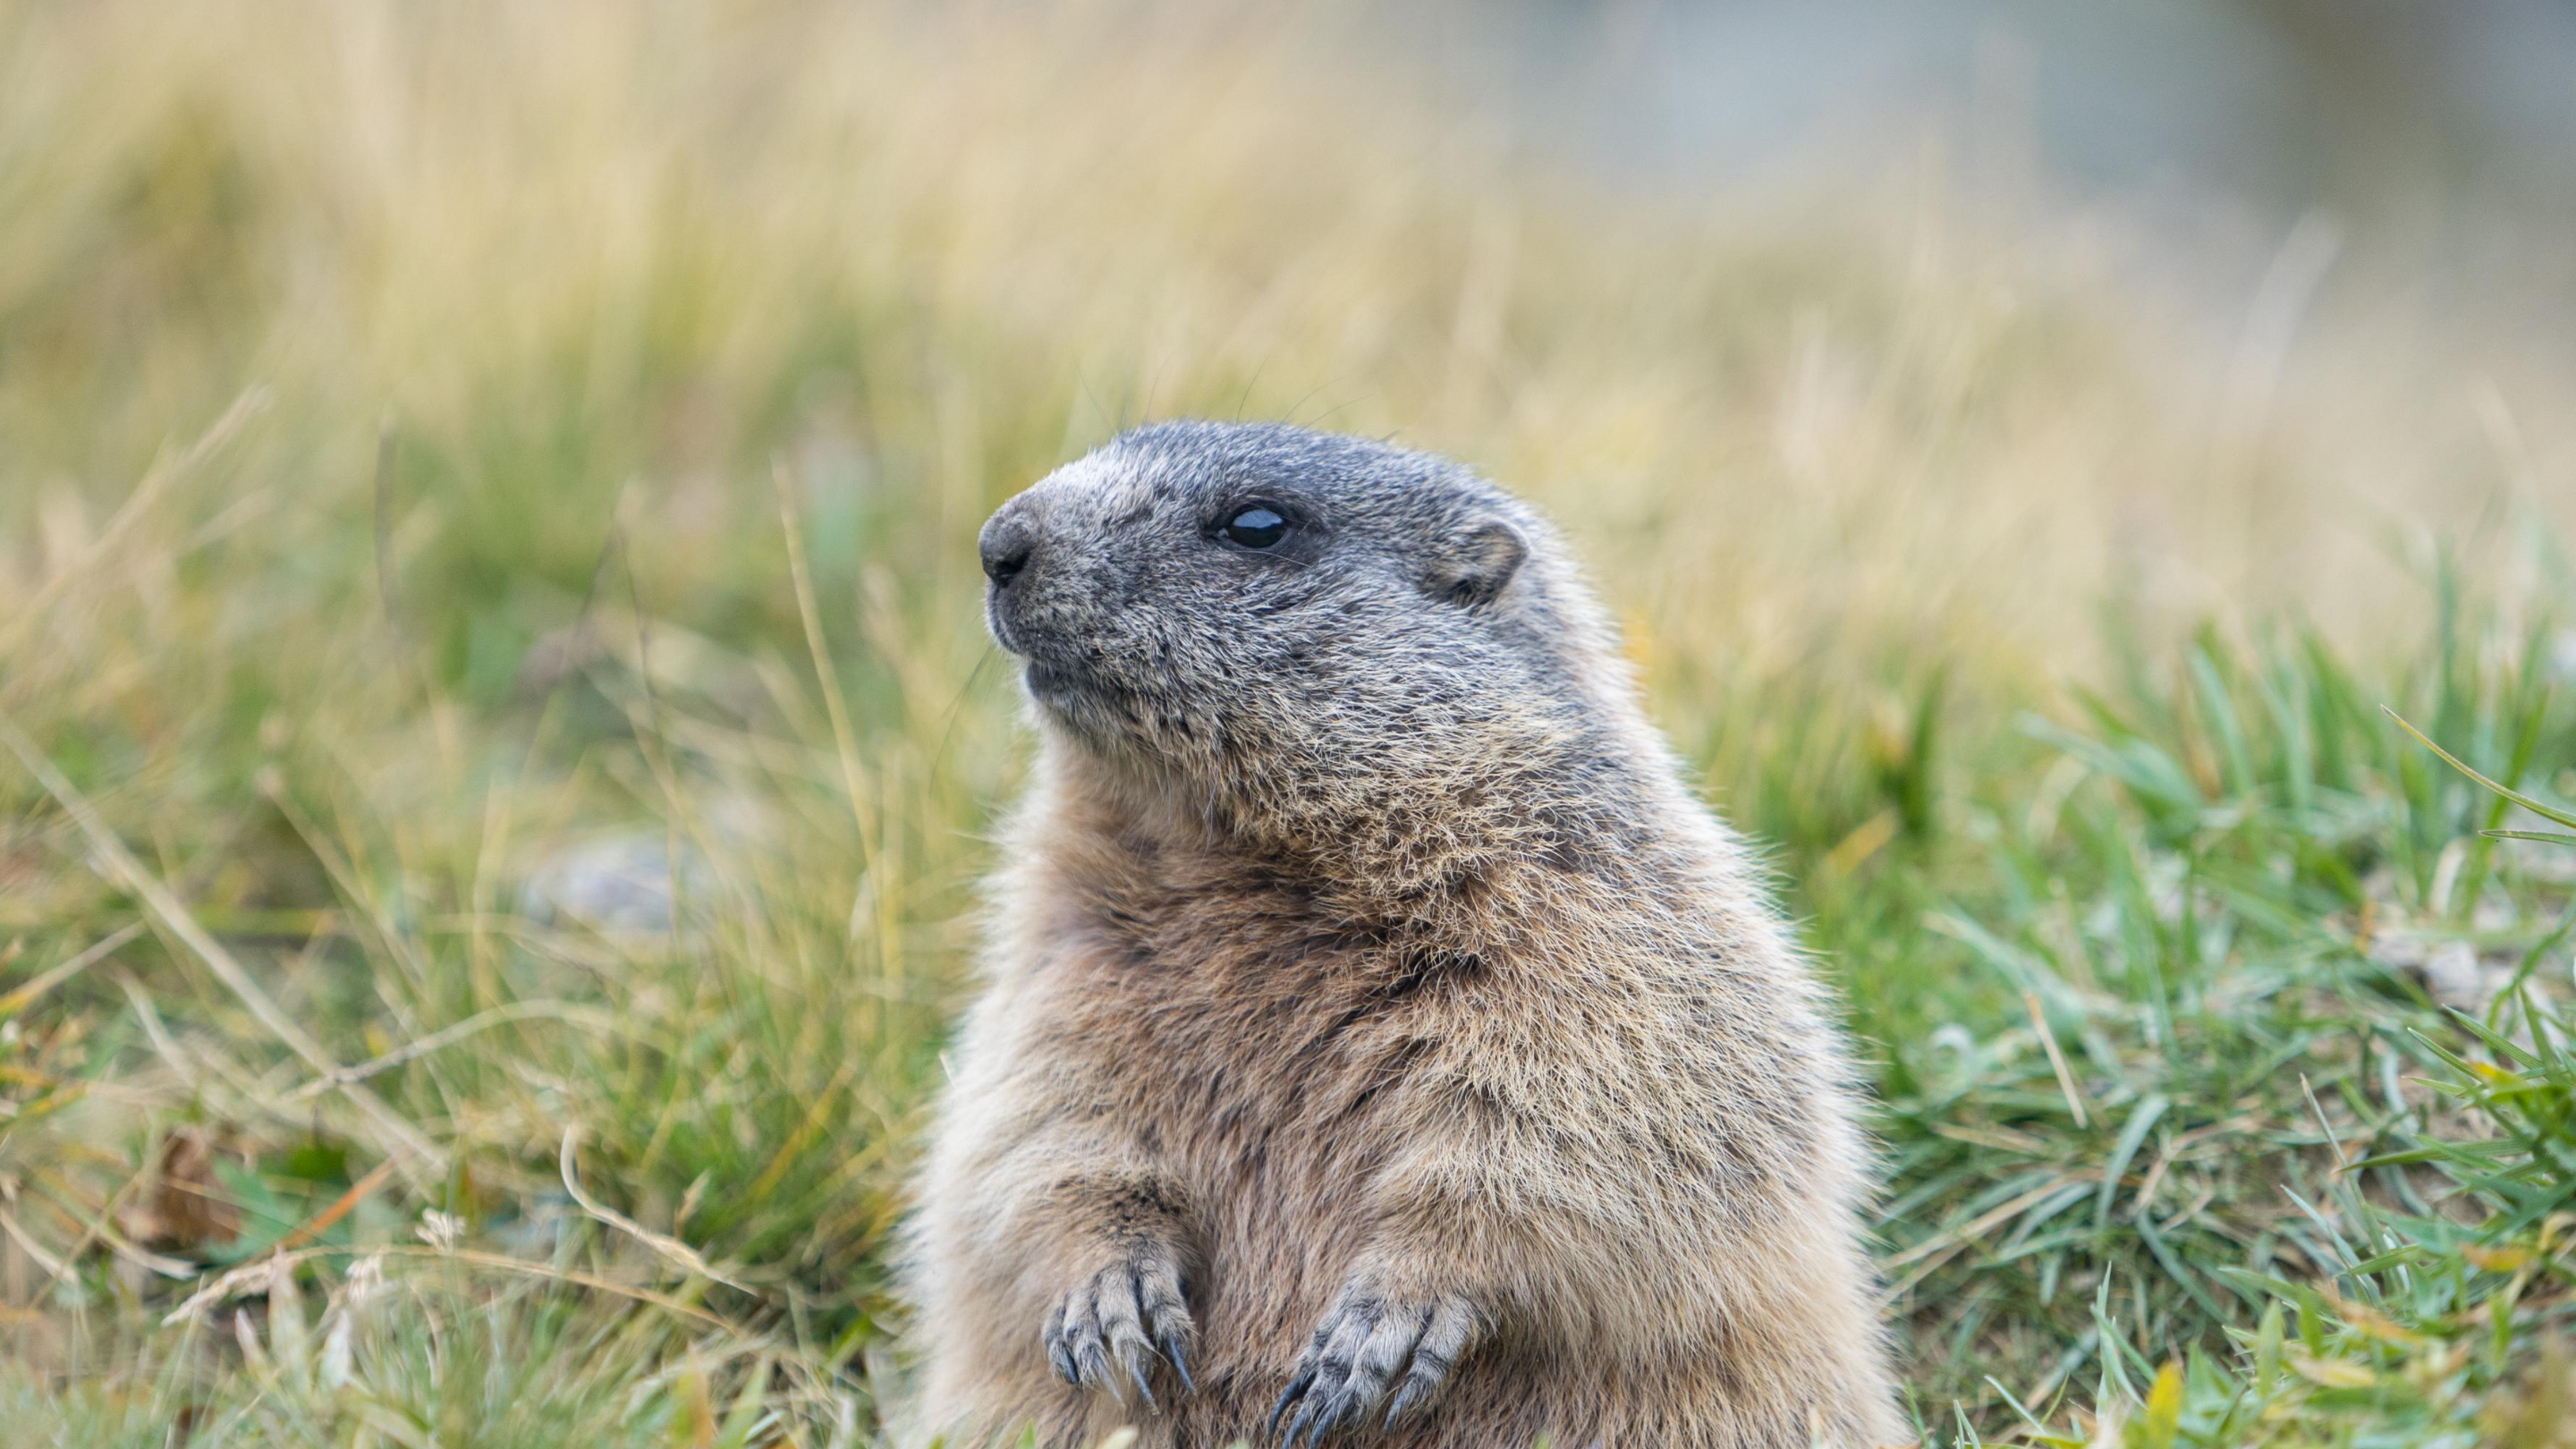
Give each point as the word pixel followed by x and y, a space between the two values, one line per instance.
pixel 446 453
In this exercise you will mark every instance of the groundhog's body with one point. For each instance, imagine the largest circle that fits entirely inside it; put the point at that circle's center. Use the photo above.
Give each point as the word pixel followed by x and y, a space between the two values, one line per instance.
pixel 1412 1039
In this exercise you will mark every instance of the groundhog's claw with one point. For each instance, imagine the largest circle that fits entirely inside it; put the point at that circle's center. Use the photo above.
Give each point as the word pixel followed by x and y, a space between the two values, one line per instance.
pixel 1124 1312
pixel 1364 1349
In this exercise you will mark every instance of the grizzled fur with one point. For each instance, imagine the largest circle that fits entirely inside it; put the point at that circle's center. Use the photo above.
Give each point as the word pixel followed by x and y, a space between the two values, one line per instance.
pixel 1376 1027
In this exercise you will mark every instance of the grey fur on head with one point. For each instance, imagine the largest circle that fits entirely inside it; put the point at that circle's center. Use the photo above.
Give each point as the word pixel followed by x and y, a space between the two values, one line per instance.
pixel 1410 634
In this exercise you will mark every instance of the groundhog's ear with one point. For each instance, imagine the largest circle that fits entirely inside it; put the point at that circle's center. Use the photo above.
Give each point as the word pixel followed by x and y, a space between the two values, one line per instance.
pixel 1475 565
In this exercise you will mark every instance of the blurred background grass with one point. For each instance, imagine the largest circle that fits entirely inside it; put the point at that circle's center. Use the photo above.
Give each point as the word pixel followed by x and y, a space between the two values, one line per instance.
pixel 499 730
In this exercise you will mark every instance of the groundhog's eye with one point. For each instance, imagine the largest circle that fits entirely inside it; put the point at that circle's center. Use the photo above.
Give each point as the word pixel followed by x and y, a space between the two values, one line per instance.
pixel 1255 527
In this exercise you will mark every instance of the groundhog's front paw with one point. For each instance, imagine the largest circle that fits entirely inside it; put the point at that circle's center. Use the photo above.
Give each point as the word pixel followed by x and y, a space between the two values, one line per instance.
pixel 1372 1347
pixel 1131 1310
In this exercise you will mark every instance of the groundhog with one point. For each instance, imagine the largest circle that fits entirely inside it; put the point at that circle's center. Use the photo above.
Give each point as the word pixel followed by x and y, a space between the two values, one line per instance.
pixel 1379 1043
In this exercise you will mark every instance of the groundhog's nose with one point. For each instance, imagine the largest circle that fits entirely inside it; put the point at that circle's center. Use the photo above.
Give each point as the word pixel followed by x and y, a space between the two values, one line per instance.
pixel 1008 541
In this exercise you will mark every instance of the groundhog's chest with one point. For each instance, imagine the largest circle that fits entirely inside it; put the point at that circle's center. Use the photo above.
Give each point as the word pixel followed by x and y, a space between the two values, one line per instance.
pixel 1275 1064
pixel 1231 1051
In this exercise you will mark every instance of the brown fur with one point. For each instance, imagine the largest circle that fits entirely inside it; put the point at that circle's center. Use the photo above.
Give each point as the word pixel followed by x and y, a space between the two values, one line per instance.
pixel 1370 1002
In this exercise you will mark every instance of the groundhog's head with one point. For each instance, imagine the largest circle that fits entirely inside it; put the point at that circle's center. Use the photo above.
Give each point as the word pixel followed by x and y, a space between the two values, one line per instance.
pixel 1290 614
